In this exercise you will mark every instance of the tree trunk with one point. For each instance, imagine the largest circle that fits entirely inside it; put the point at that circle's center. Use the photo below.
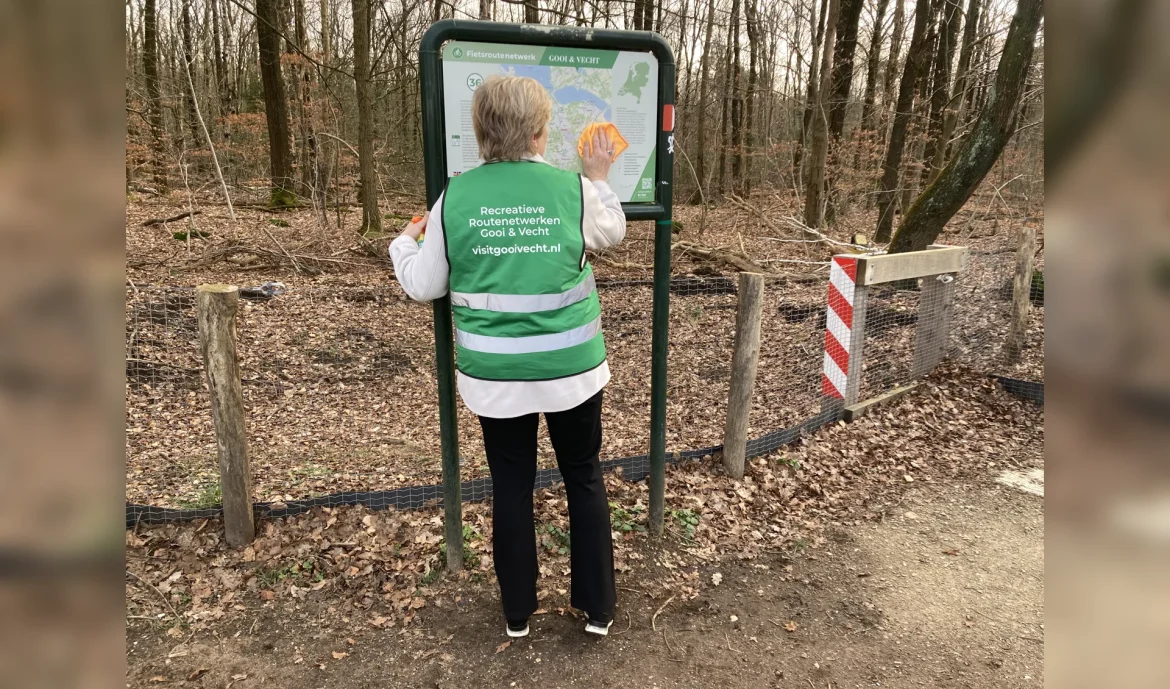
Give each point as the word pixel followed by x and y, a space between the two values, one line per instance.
pixel 944 56
pixel 724 133
pixel 221 73
pixel 154 93
pixel 736 103
pixel 956 109
pixel 275 104
pixel 753 30
pixel 817 30
pixel 304 80
pixel 887 198
pixel 842 78
pixel 188 58
pixel 897 34
pixel 371 219
pixel 485 10
pixel 326 36
pixel 531 11
pixel 996 124
pixel 917 127
pixel 868 108
pixel 704 84
pixel 813 200
pixel 639 12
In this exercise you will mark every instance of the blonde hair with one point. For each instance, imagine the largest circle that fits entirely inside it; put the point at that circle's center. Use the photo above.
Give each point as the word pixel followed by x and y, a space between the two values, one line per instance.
pixel 506 113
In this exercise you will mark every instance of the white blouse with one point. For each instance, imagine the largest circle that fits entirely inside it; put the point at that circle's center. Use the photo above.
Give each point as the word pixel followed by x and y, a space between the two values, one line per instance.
pixel 423 273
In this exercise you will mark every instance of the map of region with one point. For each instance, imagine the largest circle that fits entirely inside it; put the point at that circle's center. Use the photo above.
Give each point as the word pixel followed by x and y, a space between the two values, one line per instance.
pixel 638 78
pixel 580 97
pixel 586 86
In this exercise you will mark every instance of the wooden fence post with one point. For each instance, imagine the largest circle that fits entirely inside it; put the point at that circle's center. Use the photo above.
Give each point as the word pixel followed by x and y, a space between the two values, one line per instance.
pixel 217 306
pixel 936 303
pixel 744 363
pixel 1021 296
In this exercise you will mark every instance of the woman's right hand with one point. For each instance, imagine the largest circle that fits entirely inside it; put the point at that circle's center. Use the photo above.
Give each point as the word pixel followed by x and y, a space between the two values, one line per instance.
pixel 598 157
pixel 414 229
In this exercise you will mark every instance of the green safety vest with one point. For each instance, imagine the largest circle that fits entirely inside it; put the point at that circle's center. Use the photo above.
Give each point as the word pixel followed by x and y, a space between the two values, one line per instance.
pixel 523 296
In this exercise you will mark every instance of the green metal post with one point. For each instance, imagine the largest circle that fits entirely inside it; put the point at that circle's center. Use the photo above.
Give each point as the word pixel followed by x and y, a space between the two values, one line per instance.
pixel 660 345
pixel 436 179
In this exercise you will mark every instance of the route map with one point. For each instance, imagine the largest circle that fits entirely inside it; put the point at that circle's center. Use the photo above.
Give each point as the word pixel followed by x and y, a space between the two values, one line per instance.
pixel 585 85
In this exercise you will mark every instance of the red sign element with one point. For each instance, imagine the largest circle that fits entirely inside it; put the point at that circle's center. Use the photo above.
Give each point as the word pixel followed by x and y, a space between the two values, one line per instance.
pixel 668 118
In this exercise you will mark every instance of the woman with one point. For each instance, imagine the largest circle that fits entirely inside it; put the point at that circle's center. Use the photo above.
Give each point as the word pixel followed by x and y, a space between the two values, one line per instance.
pixel 507 240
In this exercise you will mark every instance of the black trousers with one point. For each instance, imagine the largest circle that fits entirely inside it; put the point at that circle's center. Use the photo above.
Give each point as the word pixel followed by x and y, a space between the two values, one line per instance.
pixel 511 455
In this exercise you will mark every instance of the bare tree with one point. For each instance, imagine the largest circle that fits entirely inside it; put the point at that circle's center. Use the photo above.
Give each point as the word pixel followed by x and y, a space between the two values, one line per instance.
pixel 996 124
pixel 753 31
pixel 817 25
pixel 956 109
pixel 873 64
pixel 915 58
pixel 813 199
pixel 154 93
pixel 842 77
pixel 704 84
pixel 531 11
pixel 371 218
pixel 940 92
pixel 188 58
pixel 275 104
pixel 736 101
pixel 485 9
pixel 897 34
pixel 222 81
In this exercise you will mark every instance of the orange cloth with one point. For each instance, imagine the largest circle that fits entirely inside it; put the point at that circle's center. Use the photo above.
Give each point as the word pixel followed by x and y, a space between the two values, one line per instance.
pixel 615 137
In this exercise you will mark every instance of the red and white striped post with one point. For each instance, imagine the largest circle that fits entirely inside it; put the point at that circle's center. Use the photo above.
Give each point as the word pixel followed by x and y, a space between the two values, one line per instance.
pixel 844 332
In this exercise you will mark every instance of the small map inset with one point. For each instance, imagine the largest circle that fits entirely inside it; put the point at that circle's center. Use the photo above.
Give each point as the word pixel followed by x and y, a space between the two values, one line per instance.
pixel 637 79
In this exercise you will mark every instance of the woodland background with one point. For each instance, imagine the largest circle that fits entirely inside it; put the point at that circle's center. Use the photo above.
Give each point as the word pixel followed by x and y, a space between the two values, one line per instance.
pixel 847 108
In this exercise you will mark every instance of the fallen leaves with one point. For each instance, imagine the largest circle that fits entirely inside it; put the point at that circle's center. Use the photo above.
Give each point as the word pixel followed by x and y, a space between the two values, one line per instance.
pixel 503 646
pixel 790 626
pixel 381 567
pixel 338 655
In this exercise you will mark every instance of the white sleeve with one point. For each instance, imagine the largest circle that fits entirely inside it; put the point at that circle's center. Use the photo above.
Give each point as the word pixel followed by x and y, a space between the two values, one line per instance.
pixel 423 273
pixel 603 221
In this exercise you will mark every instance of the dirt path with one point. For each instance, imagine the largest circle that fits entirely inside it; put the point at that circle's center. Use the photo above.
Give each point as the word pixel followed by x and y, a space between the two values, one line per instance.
pixel 946 591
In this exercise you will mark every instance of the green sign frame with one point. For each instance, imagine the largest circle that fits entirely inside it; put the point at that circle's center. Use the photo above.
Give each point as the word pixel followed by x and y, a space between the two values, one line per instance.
pixel 584 39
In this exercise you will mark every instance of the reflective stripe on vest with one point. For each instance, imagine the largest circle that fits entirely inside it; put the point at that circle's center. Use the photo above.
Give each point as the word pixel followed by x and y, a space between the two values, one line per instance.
pixel 525 303
pixel 528 345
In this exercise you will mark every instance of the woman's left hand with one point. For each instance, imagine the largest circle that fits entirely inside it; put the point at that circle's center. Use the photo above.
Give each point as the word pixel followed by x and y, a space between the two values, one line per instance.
pixel 415 229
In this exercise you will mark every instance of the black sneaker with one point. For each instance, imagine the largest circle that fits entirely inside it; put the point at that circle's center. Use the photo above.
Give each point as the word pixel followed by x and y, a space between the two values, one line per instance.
pixel 597 624
pixel 517 630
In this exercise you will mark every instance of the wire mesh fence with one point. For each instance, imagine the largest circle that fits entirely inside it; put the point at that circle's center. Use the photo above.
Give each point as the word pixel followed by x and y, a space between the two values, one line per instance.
pixel 341 400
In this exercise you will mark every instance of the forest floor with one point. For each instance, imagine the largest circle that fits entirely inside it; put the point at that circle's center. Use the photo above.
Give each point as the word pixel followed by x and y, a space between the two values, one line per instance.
pixel 339 375
pixel 878 553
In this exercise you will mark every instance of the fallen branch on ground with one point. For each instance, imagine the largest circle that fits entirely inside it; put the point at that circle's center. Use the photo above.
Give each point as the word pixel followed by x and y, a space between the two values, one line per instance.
pixel 654 619
pixel 163 221
pixel 812 235
pixel 742 263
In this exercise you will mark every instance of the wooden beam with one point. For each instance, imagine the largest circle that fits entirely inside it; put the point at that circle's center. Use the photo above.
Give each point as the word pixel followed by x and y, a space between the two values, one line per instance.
pixel 1021 296
pixel 932 333
pixel 216 306
pixel 874 270
pixel 856 411
pixel 744 364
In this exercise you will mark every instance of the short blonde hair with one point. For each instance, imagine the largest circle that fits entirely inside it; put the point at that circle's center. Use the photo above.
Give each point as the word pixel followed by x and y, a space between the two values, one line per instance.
pixel 506 113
